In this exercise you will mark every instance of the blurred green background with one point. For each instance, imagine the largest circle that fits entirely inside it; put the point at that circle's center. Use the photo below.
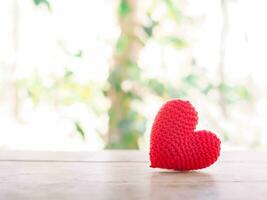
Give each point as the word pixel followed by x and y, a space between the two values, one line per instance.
pixel 88 75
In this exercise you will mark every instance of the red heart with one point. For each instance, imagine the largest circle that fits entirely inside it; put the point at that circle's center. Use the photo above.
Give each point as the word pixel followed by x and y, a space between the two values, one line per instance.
pixel 175 145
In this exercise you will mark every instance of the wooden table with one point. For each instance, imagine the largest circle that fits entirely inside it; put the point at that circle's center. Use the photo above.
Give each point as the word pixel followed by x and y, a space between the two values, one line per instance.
pixel 126 175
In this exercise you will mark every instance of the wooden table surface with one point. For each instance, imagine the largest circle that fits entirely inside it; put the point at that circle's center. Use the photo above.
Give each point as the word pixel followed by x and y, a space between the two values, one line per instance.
pixel 126 175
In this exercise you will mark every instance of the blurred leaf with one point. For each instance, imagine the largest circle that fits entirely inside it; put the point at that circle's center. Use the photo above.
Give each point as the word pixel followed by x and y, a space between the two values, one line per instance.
pixel 150 27
pixel 133 96
pixel 35 88
pixel 156 86
pixel 207 89
pixel 175 42
pixel 176 93
pixel 133 72
pixel 191 79
pixel 115 78
pixel 80 130
pixel 124 8
pixel 67 74
pixel 122 44
pixel 127 141
pixel 224 87
pixel 173 10
pixel 234 94
pixel 40 2
pixel 79 54
pixel 243 93
pixel 148 30
pixel 75 53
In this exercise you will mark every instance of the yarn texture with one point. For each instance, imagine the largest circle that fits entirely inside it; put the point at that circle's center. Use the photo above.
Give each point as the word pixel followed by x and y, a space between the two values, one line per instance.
pixel 174 142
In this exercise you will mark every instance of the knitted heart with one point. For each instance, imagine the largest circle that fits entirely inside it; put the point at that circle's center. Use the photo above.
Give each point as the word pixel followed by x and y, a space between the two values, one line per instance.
pixel 174 143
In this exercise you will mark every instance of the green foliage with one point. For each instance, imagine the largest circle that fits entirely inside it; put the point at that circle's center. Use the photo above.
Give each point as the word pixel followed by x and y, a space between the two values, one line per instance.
pixel 80 130
pixel 125 121
pixel 207 89
pixel 79 54
pixel 124 8
pixel 235 93
pixel 125 84
pixel 174 41
pixel 122 44
pixel 34 88
pixel 150 26
pixel 192 80
pixel 131 127
pixel 64 90
pixel 42 2
pixel 173 10
pixel 156 86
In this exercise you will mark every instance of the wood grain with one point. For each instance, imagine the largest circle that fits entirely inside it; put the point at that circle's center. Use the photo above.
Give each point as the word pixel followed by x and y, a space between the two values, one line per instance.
pixel 126 175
